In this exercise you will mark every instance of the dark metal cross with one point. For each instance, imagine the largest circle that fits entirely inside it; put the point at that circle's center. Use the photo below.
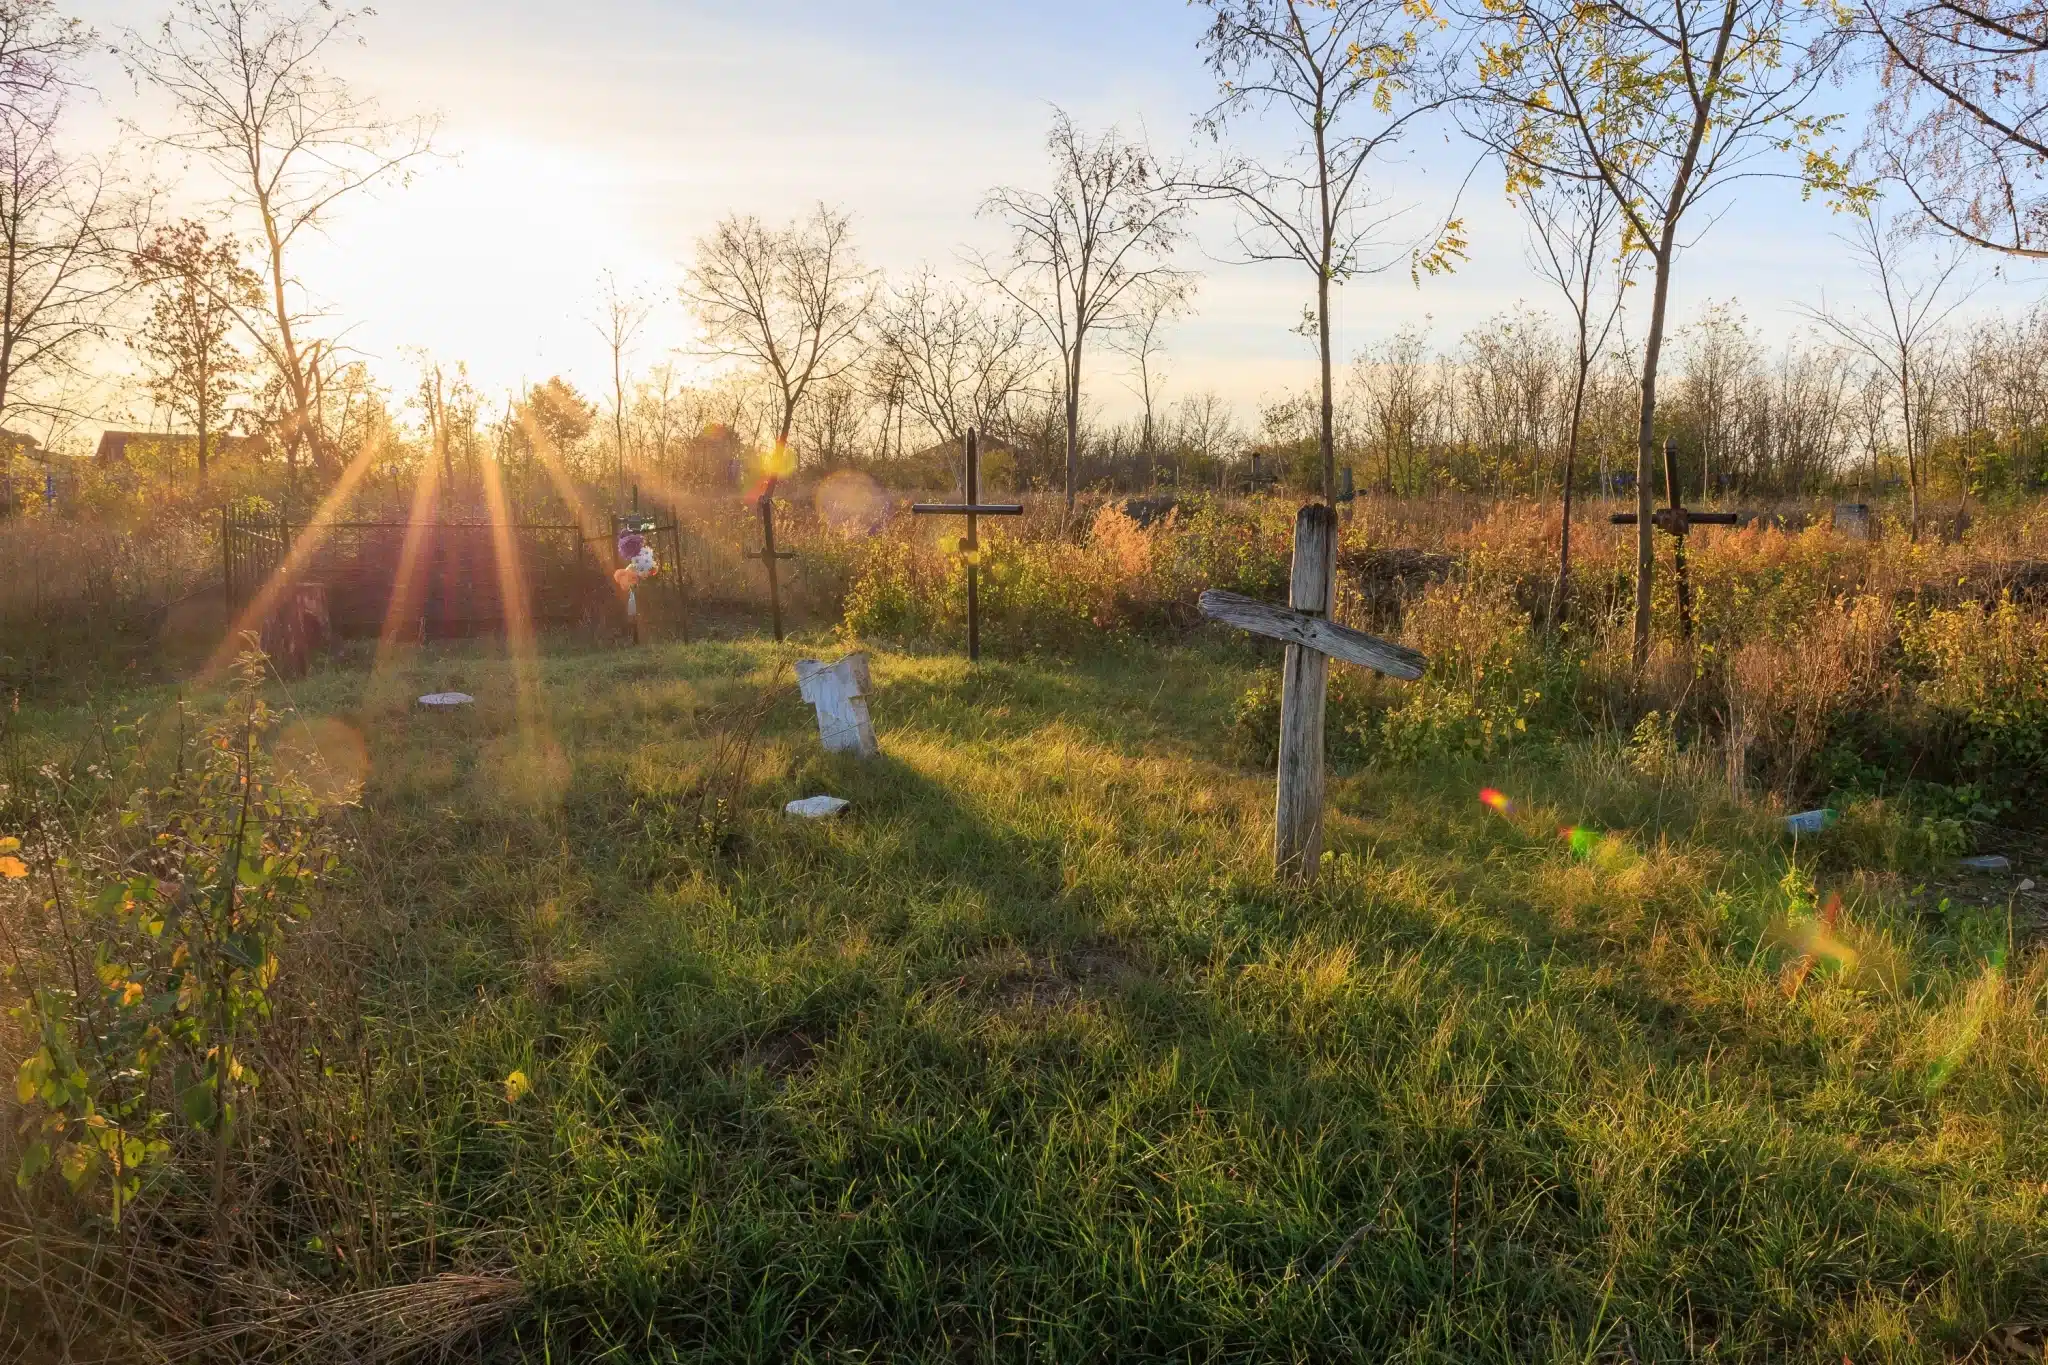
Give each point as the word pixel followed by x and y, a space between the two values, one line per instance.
pixel 1677 522
pixel 769 555
pixel 971 545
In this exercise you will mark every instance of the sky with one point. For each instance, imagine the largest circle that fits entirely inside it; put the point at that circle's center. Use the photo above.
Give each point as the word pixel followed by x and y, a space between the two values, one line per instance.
pixel 609 135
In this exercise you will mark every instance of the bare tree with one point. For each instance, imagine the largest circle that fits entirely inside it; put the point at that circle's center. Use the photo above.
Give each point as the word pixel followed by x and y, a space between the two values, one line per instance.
pixel 621 314
pixel 1205 432
pixel 1142 342
pixel 1662 107
pixel 63 219
pixel 1354 76
pixel 1575 244
pixel 1895 338
pixel 951 359
pixel 667 413
pixel 1401 401
pixel 828 424
pixel 288 138
pixel 791 301
pixel 1084 254
pixel 1962 123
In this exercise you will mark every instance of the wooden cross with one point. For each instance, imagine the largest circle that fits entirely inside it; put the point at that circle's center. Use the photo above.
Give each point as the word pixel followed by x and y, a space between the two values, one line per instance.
pixel 1313 639
pixel 971 546
pixel 769 556
pixel 1677 522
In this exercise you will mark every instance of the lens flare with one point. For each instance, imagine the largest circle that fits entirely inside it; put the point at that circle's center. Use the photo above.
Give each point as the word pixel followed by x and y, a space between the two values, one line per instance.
pixel 1817 941
pixel 1965 1029
pixel 1496 801
pixel 852 504
pixel 409 588
pixel 778 462
pixel 1584 842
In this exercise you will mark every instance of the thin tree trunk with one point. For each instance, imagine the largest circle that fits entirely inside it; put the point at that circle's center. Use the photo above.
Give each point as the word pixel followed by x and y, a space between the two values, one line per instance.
pixel 1073 425
pixel 1912 456
pixel 1646 437
pixel 1561 599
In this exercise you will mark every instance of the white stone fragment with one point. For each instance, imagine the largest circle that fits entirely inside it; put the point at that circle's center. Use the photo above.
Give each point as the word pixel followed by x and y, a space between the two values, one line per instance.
pixel 839 692
pixel 817 807
pixel 447 699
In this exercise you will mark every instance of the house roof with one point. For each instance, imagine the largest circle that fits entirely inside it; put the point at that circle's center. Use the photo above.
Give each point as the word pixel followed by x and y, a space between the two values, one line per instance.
pixel 113 446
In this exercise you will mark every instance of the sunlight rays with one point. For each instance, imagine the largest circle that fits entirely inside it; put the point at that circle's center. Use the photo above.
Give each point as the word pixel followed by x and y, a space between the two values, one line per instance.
pixel 311 537
pixel 537 756
pixel 409 588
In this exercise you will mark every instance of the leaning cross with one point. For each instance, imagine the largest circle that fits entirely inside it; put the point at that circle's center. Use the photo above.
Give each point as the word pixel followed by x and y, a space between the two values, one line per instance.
pixel 1313 639
pixel 970 547
pixel 1677 522
pixel 769 555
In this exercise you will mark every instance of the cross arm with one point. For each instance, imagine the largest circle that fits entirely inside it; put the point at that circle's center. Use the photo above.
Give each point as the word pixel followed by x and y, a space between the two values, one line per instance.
pixel 1007 509
pixel 1662 519
pixel 1313 632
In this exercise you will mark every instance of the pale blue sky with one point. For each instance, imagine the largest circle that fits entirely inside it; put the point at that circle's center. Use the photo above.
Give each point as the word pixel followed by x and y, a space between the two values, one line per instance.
pixel 610 134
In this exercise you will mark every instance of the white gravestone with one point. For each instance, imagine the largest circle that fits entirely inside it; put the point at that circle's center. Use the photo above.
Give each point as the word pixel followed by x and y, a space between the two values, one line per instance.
pixel 839 692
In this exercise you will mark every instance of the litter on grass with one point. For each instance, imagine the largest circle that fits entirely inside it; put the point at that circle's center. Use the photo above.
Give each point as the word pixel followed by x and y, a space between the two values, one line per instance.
pixel 447 699
pixel 817 807
pixel 1808 821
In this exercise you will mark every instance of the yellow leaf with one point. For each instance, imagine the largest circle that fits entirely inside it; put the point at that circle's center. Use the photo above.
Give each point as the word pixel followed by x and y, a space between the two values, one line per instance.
pixel 12 868
pixel 516 1085
pixel 10 844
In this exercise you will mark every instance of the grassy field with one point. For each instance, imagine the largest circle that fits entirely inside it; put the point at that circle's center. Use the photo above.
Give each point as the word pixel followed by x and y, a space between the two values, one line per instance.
pixel 1028 1057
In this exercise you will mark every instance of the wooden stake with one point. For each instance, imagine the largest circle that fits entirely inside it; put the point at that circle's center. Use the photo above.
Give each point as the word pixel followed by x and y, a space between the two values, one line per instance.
pixel 1304 695
pixel 768 557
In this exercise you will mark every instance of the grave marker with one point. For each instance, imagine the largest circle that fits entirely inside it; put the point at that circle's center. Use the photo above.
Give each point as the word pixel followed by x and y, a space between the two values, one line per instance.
pixel 769 556
pixel 1312 641
pixel 1677 521
pixel 970 547
pixel 839 692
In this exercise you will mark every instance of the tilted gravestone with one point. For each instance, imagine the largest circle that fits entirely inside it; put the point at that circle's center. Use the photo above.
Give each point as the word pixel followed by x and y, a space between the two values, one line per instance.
pixel 839 692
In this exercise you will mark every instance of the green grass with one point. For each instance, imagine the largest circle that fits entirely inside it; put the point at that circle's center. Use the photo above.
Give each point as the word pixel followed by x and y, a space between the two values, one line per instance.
pixel 1029 1057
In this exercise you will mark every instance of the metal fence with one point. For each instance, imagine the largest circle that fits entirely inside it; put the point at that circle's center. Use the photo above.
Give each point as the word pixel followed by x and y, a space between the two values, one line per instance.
pixel 440 579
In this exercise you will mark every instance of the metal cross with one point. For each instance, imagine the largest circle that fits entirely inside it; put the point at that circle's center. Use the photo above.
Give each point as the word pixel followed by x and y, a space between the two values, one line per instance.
pixel 769 555
pixel 971 545
pixel 1677 522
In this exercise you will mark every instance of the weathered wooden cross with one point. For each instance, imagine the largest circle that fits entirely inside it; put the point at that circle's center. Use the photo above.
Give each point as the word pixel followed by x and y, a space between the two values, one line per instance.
pixel 769 556
pixel 970 547
pixel 1677 521
pixel 1313 639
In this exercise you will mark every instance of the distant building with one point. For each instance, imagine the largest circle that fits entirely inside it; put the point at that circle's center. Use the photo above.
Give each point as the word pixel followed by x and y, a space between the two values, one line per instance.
pixel 118 447
pixel 30 474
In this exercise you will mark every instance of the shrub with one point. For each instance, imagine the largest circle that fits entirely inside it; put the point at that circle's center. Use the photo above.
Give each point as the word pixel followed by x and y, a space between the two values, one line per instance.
pixel 1983 673
pixel 1491 681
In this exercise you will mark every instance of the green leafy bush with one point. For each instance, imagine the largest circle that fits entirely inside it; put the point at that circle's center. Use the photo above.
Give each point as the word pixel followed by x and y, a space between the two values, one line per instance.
pixel 1983 673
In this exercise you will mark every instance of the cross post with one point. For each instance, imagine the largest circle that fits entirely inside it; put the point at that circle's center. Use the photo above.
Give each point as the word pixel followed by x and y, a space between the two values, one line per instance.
pixel 1677 521
pixel 769 555
pixel 970 547
pixel 1313 639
